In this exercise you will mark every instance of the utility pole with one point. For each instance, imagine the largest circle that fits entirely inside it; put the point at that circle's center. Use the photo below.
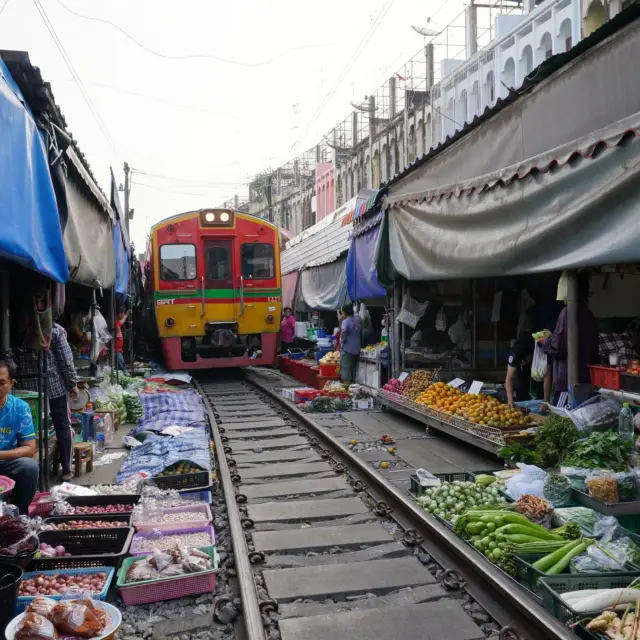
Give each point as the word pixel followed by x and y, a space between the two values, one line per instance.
pixel 127 189
pixel 269 190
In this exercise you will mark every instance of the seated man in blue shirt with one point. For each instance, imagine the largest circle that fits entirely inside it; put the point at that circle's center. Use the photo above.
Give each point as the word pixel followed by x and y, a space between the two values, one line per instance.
pixel 17 440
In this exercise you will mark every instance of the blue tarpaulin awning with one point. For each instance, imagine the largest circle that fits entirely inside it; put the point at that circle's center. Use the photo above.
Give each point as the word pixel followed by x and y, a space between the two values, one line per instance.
pixel 122 261
pixel 31 233
pixel 362 277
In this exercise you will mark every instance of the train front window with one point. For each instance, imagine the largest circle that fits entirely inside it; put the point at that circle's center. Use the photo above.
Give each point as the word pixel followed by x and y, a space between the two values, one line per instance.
pixel 217 263
pixel 257 261
pixel 178 262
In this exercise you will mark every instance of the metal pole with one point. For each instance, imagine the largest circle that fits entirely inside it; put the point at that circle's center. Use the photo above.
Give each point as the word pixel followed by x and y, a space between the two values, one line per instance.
pixel 572 328
pixel 41 430
pixel 495 330
pixel 127 189
pixel 474 328
pixel 112 330
pixel 402 328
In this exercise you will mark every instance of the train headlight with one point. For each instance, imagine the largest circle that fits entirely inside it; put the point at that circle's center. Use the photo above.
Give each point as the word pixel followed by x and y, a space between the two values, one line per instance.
pixel 170 322
pixel 216 218
pixel 270 319
pixel 211 217
pixel 224 217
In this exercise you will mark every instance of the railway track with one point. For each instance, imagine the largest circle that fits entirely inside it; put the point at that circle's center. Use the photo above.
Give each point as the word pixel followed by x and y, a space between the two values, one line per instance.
pixel 326 548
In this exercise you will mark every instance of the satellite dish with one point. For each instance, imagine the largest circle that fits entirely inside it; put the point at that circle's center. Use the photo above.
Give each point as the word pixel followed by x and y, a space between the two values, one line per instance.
pixel 426 31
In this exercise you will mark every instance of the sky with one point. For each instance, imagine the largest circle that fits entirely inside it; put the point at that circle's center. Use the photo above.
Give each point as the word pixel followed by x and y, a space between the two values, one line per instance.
pixel 212 92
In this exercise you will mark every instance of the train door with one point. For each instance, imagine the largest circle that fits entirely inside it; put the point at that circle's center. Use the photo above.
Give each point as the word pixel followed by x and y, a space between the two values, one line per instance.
pixel 218 291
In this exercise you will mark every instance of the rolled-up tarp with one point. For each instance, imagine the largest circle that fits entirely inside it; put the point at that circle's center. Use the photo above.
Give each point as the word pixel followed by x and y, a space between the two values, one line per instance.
pixel 324 288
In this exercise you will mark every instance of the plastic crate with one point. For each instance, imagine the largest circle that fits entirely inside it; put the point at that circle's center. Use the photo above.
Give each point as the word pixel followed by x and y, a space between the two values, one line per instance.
pixel 304 395
pixel 630 383
pixel 607 377
pixel 144 535
pixel 103 501
pixel 23 601
pixel 200 480
pixel 553 586
pixel 416 489
pixel 197 496
pixel 329 370
pixel 529 576
pixel 190 584
pixel 168 526
pixel 89 548
pixel 295 354
pixel 321 352
pixel 124 518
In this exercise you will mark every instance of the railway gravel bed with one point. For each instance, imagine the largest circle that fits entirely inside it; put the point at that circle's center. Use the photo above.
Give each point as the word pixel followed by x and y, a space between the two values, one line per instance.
pixel 328 556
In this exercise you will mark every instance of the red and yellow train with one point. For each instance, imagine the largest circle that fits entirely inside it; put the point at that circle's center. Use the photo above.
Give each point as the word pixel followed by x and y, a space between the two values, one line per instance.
pixel 214 278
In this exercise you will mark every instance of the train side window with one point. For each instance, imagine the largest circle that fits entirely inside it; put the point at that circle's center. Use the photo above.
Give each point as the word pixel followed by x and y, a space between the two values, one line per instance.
pixel 257 261
pixel 217 263
pixel 178 262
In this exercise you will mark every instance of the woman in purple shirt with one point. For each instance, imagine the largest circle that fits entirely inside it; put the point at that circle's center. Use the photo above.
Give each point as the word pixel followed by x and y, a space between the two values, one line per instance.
pixel 556 345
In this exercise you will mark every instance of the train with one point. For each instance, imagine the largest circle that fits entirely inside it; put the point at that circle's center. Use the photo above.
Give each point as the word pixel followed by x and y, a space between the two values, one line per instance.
pixel 212 279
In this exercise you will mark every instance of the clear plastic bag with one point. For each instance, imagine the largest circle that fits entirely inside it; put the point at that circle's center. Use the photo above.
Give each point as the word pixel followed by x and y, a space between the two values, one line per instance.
pixel 427 479
pixel 627 482
pixel 79 617
pixel 591 523
pixel 602 485
pixel 530 481
pixel 557 489
pixel 35 627
pixel 539 363
pixel 597 414
pixel 577 476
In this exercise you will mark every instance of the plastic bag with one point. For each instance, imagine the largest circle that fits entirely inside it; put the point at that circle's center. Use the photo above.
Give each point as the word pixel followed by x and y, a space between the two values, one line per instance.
pixel 591 523
pixel 610 556
pixel 35 627
pixel 557 489
pixel 577 476
pixel 539 363
pixel 598 413
pixel 427 479
pixel 530 481
pixel 79 618
pixel 160 560
pixel 627 485
pixel 602 485
pixel 42 606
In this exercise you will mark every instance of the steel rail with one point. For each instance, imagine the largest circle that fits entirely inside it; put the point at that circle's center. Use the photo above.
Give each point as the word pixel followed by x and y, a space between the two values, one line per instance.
pixel 252 617
pixel 516 596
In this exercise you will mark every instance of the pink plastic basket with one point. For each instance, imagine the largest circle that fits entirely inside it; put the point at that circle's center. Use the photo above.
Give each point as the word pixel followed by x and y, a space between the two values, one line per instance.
pixel 196 508
pixel 167 588
pixel 8 485
pixel 41 505
pixel 144 535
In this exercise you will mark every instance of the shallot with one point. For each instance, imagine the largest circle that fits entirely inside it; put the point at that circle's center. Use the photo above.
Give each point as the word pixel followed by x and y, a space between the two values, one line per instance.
pixel 60 583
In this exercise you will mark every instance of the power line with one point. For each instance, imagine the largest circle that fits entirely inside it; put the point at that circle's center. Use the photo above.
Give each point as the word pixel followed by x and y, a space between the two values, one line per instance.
pixel 74 74
pixel 356 54
pixel 171 191
pixel 4 6
pixel 198 56
pixel 186 181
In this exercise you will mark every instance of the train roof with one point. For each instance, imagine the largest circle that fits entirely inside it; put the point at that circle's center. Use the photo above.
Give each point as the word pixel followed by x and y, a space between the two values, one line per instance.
pixel 197 212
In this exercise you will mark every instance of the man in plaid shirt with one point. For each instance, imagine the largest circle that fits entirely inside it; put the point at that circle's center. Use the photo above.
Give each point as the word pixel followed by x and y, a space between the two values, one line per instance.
pixel 62 379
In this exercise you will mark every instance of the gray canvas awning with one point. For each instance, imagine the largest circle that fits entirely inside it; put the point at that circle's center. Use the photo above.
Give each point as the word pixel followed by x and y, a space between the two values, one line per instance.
pixel 575 206
pixel 88 233
pixel 324 288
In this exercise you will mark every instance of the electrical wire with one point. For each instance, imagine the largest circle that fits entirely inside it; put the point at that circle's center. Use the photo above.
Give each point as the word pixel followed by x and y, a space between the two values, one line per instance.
pixel 186 181
pixel 198 56
pixel 352 60
pixel 171 191
pixel 74 74
pixel 4 6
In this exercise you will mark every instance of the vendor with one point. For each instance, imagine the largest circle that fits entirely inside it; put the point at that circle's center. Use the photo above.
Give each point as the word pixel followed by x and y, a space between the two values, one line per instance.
pixel 121 318
pixel 287 330
pixel 350 344
pixel 17 440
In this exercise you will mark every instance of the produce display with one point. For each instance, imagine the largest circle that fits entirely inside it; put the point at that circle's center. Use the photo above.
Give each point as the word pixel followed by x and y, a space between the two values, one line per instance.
pixel 175 517
pixel 417 382
pixel 557 489
pixel 519 453
pixel 333 357
pixel 554 438
pixel 334 387
pixel 180 468
pixel 169 564
pixel 62 583
pixel 614 625
pixel 479 409
pixel 82 524
pixel 133 406
pixel 634 368
pixel 394 386
pixel 604 450
pixel 449 500
pixel 325 404
pixel 534 508
pixel 164 543
pixel 96 509
pixel 47 551
pixel 16 536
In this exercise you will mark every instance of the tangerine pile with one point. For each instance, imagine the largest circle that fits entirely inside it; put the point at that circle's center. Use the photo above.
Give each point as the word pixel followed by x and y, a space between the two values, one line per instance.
pixel 479 409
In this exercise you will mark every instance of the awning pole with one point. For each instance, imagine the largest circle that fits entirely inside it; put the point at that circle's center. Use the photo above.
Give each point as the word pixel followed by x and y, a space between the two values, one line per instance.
pixel 402 328
pixel 474 328
pixel 5 345
pixel 572 329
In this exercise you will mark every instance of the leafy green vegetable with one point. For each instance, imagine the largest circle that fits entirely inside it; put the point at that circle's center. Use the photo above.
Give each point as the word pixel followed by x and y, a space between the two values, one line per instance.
pixel 555 438
pixel 601 450
pixel 518 453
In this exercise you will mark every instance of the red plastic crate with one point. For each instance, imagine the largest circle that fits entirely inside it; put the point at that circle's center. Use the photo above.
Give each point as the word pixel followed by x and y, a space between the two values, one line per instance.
pixel 329 371
pixel 326 394
pixel 305 395
pixel 607 377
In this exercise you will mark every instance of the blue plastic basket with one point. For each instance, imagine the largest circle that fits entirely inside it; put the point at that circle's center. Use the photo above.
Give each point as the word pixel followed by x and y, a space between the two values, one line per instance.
pixel 23 601
pixel 196 496
pixel 321 352
pixel 321 333
pixel 295 354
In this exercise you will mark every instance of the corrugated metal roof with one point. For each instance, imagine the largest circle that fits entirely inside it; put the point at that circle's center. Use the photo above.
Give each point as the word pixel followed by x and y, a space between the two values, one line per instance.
pixel 540 73
pixel 40 100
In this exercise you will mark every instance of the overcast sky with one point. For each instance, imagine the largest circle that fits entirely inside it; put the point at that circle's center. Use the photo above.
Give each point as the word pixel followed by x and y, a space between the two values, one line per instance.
pixel 209 125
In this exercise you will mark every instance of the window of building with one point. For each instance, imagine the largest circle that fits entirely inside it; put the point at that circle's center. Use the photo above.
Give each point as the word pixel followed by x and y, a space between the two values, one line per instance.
pixel 257 260
pixel 178 262
pixel 217 263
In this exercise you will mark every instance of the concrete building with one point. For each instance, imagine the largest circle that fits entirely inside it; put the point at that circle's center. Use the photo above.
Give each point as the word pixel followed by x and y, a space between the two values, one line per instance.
pixel 437 92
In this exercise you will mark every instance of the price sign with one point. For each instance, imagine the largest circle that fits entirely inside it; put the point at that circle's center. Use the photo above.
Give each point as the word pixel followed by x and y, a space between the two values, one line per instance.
pixel 403 376
pixel 475 387
pixel 457 382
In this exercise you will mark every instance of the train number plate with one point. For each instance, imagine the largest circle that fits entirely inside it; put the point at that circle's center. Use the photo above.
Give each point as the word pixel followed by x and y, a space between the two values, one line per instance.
pixel 161 302
pixel 273 299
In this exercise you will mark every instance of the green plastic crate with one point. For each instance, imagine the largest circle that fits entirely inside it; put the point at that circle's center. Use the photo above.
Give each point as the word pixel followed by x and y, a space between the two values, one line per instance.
pixel 31 398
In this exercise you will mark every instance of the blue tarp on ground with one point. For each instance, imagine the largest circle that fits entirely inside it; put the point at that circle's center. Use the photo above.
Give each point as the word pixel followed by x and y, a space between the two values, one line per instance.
pixel 31 234
pixel 362 277
pixel 122 261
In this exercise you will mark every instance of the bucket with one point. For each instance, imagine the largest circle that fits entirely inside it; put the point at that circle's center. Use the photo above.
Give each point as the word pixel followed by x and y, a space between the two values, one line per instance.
pixel 10 576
